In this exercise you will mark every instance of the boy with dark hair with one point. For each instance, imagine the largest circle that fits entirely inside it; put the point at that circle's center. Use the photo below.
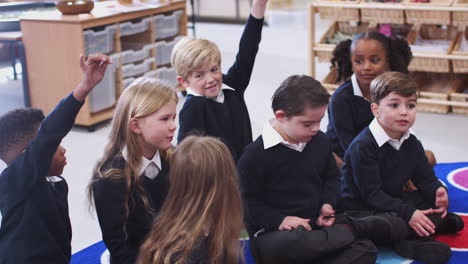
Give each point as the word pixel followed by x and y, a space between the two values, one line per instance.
pixel 383 157
pixel 209 108
pixel 290 185
pixel 34 222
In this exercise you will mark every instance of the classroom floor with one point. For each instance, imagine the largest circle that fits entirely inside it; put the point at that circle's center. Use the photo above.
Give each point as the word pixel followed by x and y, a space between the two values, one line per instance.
pixel 283 52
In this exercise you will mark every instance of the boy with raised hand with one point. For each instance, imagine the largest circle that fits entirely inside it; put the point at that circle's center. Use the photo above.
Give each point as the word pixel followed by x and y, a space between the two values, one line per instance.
pixel 383 157
pixel 35 226
pixel 210 109
pixel 290 186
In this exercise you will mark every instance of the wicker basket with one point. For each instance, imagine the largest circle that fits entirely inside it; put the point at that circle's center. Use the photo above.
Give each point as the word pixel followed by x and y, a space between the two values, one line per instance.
pixel 378 12
pixel 434 16
pixel 329 81
pixel 459 95
pixel 435 89
pixel 460 57
pixel 324 50
pixel 345 10
pixel 460 17
pixel 431 61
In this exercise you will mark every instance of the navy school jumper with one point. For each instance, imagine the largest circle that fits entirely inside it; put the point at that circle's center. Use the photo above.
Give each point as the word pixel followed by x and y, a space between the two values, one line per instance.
pixel 35 227
pixel 230 120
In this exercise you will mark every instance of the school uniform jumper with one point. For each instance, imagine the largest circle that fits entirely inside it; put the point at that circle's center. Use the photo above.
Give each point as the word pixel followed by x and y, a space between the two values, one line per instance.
pixel 124 234
pixel 229 120
pixel 35 226
pixel 348 114
pixel 278 182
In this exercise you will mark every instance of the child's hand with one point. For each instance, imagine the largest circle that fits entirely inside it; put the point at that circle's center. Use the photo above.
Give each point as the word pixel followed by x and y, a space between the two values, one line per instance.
pixel 421 224
pixel 292 222
pixel 93 70
pixel 441 201
pixel 258 8
pixel 327 216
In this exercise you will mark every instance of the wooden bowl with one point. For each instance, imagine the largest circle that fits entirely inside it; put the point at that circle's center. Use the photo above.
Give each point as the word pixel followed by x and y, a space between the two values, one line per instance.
pixel 73 7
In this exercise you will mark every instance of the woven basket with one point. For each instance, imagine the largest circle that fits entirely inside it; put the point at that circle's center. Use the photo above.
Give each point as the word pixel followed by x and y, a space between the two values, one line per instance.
pixel 431 61
pixel 460 57
pixel 324 50
pixel 433 16
pixel 339 10
pixel 435 89
pixel 460 17
pixel 329 81
pixel 378 12
pixel 459 95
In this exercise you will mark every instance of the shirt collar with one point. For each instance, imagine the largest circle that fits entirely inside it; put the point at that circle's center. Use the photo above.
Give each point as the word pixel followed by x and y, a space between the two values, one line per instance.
pixel 53 179
pixel 3 165
pixel 271 138
pixel 381 136
pixel 218 99
pixel 145 162
pixel 356 89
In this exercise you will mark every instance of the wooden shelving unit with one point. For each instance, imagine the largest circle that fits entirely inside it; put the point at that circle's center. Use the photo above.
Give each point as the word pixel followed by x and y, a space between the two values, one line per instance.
pixel 54 42
pixel 448 14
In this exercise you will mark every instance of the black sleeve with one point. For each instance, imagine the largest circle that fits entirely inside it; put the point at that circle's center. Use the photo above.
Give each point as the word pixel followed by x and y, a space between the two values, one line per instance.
pixel 191 118
pixel 366 176
pixel 238 76
pixel 109 201
pixel 253 179
pixel 330 178
pixel 341 120
pixel 424 177
pixel 31 166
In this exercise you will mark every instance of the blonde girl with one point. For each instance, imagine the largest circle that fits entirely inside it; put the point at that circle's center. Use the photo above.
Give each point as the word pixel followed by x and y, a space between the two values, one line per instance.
pixel 129 183
pixel 202 216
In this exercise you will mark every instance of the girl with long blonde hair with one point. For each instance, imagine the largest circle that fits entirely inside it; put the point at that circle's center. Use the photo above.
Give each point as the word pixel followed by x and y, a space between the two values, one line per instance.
pixel 201 218
pixel 129 182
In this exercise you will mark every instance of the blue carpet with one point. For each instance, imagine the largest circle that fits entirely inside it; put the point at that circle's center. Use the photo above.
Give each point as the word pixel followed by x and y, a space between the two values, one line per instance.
pixel 453 175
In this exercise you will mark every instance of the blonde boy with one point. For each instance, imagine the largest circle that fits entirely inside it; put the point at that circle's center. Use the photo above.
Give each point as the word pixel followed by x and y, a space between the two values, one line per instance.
pixel 210 109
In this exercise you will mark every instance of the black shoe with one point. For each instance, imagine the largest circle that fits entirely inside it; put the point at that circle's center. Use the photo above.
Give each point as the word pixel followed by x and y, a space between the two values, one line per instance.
pixel 451 224
pixel 425 250
pixel 381 229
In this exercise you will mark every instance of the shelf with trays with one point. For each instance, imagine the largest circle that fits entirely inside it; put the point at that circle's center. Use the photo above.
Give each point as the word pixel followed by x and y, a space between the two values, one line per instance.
pixel 54 43
pixel 448 64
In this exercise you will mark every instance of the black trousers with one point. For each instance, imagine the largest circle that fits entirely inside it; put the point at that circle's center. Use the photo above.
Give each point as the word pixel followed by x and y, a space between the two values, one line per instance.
pixel 335 244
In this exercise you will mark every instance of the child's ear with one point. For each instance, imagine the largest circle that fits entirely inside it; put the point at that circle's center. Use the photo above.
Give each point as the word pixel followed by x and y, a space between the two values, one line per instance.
pixel 280 115
pixel 374 108
pixel 183 81
pixel 135 126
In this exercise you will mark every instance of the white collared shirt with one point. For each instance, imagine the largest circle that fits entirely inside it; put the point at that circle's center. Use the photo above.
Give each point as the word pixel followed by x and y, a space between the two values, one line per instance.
pixel 3 165
pixel 271 138
pixel 218 99
pixel 381 137
pixel 145 163
pixel 356 89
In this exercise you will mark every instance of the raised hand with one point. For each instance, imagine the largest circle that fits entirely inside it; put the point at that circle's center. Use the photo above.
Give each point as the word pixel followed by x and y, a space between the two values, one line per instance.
pixel 258 8
pixel 421 224
pixel 327 216
pixel 93 69
pixel 292 222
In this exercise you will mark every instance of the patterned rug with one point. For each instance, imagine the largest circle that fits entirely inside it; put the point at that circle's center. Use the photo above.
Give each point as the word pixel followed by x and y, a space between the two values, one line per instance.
pixel 453 175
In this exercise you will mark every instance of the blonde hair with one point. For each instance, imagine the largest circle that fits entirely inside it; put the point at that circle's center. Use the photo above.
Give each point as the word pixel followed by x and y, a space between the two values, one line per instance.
pixel 203 203
pixel 142 98
pixel 389 82
pixel 189 54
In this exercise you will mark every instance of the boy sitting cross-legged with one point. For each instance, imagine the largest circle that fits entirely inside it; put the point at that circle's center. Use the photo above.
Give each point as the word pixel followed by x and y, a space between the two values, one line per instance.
pixel 289 182
pixel 209 109
pixel 383 157
pixel 34 222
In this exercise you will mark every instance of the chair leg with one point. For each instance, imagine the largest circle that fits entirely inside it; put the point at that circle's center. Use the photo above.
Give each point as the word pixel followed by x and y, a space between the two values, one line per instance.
pixel 13 60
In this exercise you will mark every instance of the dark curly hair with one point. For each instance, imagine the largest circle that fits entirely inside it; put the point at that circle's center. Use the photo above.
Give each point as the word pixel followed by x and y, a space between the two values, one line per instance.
pixel 398 53
pixel 18 127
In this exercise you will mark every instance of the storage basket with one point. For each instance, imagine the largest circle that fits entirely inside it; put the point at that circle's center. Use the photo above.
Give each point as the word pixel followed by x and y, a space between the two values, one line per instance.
pixel 127 81
pixel 434 91
pixel 134 27
pixel 166 26
pixel 459 96
pixel 329 81
pixel 382 12
pixel 324 50
pixel 460 53
pixel 129 56
pixel 338 10
pixel 439 13
pixel 460 17
pixel 130 70
pixel 169 75
pixel 428 59
pixel 103 96
pixel 164 50
pixel 99 40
